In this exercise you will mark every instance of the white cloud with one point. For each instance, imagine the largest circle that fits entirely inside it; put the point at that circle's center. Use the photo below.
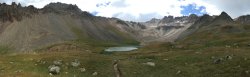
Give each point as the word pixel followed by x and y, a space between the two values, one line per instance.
pixel 142 10
pixel 234 8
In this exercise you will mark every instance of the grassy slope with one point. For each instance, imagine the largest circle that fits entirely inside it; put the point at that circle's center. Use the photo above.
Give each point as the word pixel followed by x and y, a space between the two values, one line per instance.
pixel 192 56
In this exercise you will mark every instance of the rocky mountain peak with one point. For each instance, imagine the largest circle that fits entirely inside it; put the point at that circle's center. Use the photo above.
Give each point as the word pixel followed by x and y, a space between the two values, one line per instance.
pixel 167 19
pixel 61 8
pixel 15 11
pixel 193 16
pixel 153 20
pixel 222 19
pixel 245 19
pixel 224 16
pixel 204 18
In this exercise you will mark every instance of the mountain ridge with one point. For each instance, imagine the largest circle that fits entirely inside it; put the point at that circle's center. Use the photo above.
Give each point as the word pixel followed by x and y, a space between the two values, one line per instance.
pixel 32 28
pixel 44 27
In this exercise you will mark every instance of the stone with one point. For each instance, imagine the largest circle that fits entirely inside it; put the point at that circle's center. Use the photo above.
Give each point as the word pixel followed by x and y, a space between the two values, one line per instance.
pixel 165 59
pixel 54 70
pixel 217 61
pixel 57 62
pixel 178 72
pixel 150 64
pixel 227 46
pixel 229 57
pixel 245 58
pixel 66 72
pixel 95 73
pixel 247 72
pixel 11 62
pixel 197 52
pixel 238 66
pixel 75 63
pixel 212 57
pixel 18 71
pixel 82 69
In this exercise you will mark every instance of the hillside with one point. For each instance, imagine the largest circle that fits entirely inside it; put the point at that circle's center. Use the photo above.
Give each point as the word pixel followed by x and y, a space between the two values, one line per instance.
pixel 29 28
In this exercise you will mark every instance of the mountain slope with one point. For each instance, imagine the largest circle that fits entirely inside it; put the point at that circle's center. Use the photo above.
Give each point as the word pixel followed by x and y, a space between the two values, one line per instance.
pixel 217 31
pixel 57 23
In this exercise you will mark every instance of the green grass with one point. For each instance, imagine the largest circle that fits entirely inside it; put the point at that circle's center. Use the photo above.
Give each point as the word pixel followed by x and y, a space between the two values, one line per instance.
pixel 4 49
pixel 191 63
pixel 98 45
pixel 193 56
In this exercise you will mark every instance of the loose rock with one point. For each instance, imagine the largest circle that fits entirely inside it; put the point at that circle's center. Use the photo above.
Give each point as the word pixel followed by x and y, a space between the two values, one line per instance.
pixel 165 59
pixel 75 63
pixel 54 70
pixel 247 72
pixel 82 69
pixel 217 61
pixel 18 71
pixel 95 73
pixel 212 57
pixel 245 58
pixel 178 72
pixel 229 57
pixel 11 62
pixel 57 62
pixel 150 63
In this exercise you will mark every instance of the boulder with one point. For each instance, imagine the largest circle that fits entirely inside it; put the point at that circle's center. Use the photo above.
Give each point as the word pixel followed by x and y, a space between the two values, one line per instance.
pixel 217 61
pixel 75 63
pixel 82 69
pixel 54 70
pixel 150 64
pixel 57 62
pixel 95 73
pixel 229 57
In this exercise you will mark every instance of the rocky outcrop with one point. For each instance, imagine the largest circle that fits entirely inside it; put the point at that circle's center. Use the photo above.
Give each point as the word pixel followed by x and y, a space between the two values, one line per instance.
pixel 198 23
pixel 222 19
pixel 167 19
pixel 245 19
pixel 167 29
pixel 15 11
pixel 62 8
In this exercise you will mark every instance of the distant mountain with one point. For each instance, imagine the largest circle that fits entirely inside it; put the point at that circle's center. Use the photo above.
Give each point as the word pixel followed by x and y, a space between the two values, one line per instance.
pixel 166 29
pixel 222 19
pixel 29 28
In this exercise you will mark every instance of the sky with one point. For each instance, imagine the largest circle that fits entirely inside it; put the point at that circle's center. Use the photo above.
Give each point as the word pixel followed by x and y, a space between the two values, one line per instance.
pixel 144 10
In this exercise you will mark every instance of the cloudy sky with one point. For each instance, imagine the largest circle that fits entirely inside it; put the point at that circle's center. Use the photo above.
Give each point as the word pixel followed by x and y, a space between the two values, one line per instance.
pixel 144 10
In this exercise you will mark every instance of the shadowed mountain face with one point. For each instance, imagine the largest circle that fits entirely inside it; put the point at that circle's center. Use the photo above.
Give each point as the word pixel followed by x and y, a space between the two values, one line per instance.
pixel 222 19
pixel 28 28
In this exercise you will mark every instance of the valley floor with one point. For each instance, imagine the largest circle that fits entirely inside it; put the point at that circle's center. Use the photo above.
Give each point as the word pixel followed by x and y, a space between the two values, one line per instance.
pixel 151 61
